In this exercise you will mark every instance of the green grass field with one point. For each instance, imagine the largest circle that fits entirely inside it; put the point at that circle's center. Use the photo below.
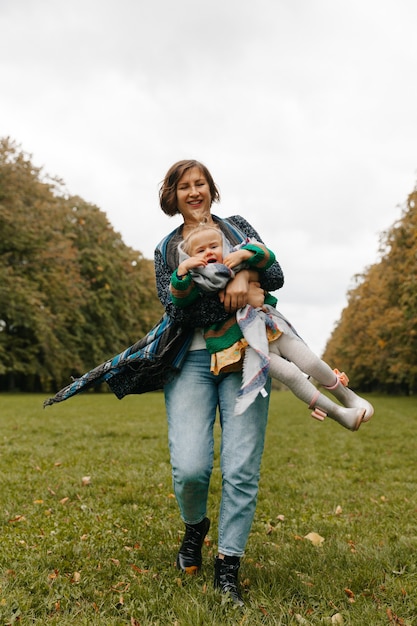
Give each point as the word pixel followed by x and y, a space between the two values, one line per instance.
pixel 90 529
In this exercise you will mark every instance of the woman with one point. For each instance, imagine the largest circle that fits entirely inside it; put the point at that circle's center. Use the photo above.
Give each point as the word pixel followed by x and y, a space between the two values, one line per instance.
pixel 194 395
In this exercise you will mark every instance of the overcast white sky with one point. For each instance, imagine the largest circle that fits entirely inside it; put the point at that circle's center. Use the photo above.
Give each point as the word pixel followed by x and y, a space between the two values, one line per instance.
pixel 305 111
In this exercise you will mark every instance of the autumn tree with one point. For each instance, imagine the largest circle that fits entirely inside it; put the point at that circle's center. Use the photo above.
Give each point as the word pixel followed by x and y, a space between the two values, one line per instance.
pixel 376 337
pixel 71 292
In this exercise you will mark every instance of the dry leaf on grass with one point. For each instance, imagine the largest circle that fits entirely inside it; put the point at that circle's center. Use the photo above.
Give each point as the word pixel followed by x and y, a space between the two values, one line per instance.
pixel 394 619
pixel 315 539
pixel 350 594
pixel 18 518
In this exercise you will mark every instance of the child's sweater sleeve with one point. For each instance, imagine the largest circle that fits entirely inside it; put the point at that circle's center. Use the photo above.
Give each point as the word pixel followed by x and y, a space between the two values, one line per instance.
pixel 183 290
pixel 262 257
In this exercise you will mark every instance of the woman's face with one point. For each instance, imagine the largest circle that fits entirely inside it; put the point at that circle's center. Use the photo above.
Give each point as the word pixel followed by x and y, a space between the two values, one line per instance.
pixel 193 196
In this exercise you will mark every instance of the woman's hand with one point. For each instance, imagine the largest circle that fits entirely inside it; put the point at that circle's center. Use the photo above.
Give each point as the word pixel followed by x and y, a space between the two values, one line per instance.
pixel 243 289
pixel 256 296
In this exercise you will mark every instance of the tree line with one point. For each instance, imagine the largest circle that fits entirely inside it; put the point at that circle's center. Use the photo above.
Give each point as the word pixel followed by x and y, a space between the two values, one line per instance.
pixel 375 340
pixel 72 294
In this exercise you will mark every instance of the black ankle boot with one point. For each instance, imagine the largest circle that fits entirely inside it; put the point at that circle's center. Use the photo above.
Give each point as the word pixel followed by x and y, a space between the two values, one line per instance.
pixel 225 577
pixel 189 557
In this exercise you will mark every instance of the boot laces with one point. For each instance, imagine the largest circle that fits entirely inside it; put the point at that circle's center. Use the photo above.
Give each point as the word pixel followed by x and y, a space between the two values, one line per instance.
pixel 228 577
pixel 193 540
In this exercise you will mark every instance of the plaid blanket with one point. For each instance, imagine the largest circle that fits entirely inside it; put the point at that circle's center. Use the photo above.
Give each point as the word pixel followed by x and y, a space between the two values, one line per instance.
pixel 145 366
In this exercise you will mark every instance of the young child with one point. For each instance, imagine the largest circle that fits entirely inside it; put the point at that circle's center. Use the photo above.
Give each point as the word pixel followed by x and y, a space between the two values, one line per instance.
pixel 286 356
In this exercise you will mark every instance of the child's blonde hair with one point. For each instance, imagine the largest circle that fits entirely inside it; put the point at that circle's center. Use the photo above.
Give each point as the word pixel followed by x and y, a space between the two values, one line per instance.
pixel 186 244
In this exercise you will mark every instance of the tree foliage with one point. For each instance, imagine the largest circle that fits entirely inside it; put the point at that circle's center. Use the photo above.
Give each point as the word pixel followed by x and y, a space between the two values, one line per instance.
pixel 72 294
pixel 375 340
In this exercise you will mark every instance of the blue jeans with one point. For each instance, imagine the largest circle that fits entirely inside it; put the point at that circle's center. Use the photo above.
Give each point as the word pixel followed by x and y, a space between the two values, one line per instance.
pixel 191 402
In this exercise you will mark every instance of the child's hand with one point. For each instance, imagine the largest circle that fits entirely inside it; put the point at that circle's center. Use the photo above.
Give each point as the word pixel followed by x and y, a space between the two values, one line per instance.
pixel 189 264
pixel 238 256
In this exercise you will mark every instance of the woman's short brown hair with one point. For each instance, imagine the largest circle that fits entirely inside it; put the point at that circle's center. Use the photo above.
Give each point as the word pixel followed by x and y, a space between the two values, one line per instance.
pixel 168 189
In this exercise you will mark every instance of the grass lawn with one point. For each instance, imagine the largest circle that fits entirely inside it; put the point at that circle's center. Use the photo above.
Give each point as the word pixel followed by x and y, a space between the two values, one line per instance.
pixel 90 528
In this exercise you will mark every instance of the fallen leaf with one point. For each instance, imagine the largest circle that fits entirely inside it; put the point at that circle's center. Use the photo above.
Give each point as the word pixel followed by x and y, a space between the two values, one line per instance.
pixel 76 577
pixel 337 618
pixel 121 587
pixel 315 539
pixel 394 619
pixel 138 569
pixel 86 480
pixel 352 546
pixel 64 500
pixel 338 510
pixel 18 518
pixel 350 595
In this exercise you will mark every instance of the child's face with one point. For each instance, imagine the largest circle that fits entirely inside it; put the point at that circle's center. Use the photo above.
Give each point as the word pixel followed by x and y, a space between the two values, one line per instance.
pixel 207 245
